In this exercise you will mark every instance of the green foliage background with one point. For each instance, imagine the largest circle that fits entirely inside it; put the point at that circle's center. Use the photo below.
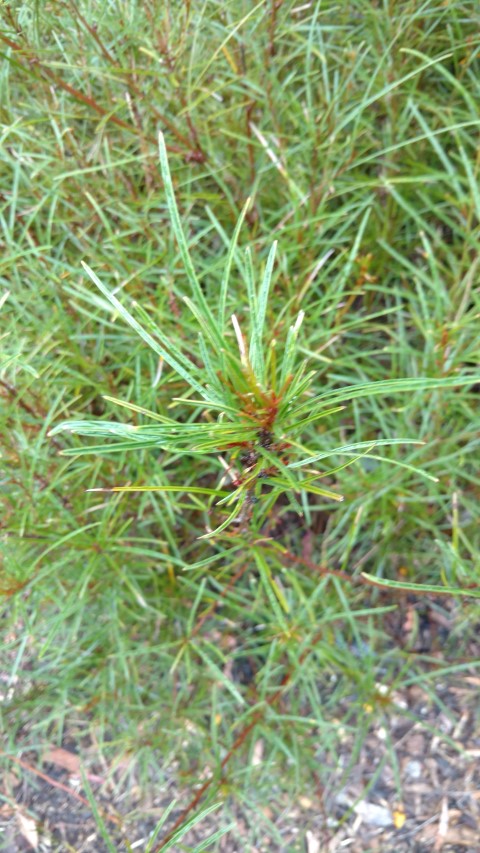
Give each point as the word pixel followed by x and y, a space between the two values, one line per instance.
pixel 354 128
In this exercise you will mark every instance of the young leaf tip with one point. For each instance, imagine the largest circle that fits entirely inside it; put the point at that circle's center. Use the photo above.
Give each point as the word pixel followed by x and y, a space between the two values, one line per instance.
pixel 239 337
pixel 298 321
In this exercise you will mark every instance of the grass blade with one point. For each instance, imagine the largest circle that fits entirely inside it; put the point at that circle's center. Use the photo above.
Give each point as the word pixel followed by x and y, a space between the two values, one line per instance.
pixel 152 343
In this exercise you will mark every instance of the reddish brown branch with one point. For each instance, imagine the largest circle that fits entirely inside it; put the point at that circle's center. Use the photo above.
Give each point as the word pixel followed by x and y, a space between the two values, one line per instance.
pixel 271 700
pixel 257 716
pixel 59 785
pixel 133 89
pixel 240 739
pixel 34 60
pixel 15 395
pixel 322 570
pixel 275 6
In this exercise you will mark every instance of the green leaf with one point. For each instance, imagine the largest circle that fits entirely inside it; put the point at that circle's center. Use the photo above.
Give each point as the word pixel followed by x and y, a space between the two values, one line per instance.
pixel 160 350
pixel 387 386
pixel 419 587
pixel 228 266
pixel 348 448
pixel 257 320
pixel 202 305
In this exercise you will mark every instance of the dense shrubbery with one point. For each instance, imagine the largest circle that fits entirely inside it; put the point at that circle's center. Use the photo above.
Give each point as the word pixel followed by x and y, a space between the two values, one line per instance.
pixel 224 547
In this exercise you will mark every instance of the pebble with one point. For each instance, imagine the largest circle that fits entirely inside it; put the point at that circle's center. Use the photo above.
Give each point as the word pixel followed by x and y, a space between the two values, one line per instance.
pixel 413 769
pixel 373 814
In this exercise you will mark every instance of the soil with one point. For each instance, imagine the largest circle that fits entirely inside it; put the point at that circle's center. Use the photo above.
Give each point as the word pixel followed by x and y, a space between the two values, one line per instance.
pixel 414 787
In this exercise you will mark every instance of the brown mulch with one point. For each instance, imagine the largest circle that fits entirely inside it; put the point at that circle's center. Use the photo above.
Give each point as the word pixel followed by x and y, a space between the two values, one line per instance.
pixel 416 785
pixel 413 787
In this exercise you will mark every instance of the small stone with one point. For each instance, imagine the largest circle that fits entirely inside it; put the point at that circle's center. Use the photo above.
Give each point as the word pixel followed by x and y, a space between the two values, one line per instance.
pixel 413 769
pixel 373 814
pixel 313 844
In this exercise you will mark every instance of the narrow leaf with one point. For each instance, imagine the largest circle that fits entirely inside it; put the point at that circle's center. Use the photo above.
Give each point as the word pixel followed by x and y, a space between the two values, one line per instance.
pixel 256 351
pixel 152 343
pixel 419 587
pixel 228 266
pixel 182 241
